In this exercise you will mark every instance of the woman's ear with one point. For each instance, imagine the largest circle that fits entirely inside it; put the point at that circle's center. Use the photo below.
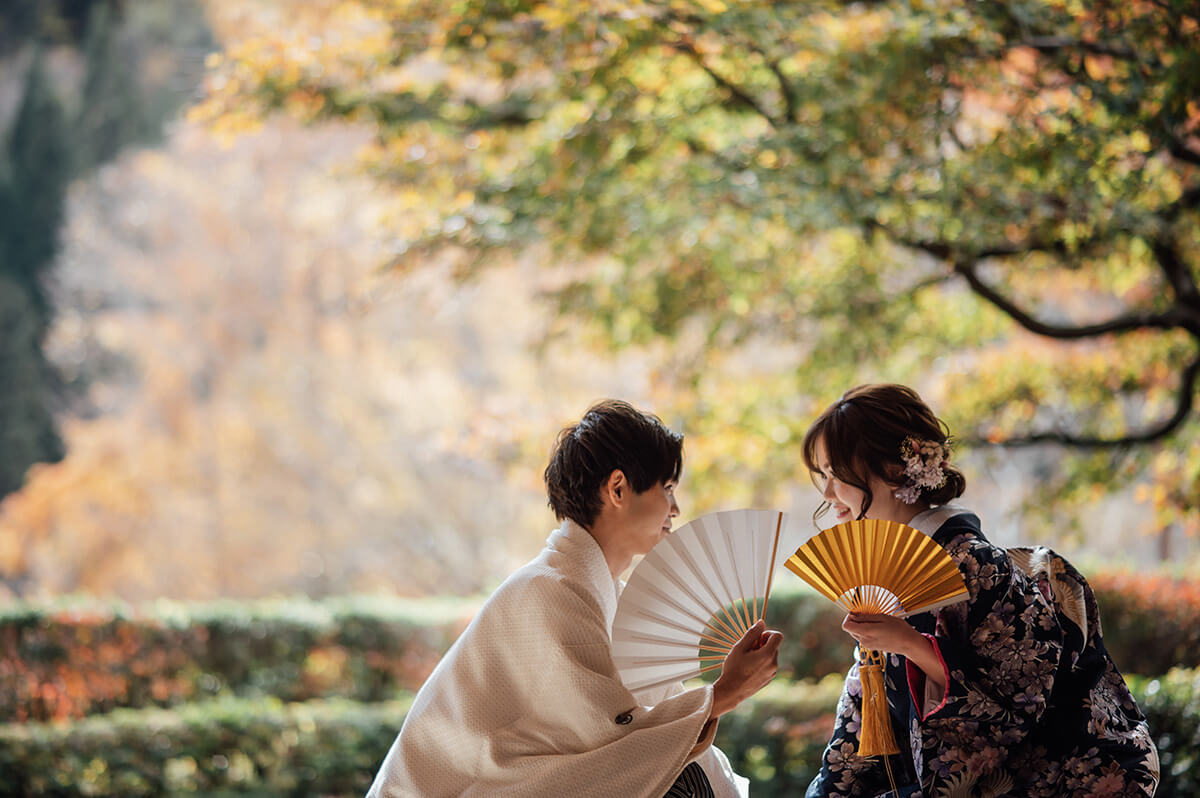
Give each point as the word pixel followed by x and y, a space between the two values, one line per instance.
pixel 893 474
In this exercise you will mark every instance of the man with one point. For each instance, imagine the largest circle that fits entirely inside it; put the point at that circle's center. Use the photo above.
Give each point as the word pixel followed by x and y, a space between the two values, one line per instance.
pixel 528 702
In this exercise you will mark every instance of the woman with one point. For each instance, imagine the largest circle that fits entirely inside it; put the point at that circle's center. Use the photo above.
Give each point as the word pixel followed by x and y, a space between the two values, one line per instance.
pixel 1010 693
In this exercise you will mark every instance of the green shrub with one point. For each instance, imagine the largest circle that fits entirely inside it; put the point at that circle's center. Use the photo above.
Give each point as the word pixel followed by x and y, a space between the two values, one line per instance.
pixel 333 747
pixel 235 746
pixel 814 644
pixel 777 737
pixel 74 659
pixel 231 746
pixel 1172 707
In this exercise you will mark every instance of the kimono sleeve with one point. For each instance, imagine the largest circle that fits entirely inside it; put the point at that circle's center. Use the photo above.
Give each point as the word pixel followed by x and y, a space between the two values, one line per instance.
pixel 1001 653
pixel 580 725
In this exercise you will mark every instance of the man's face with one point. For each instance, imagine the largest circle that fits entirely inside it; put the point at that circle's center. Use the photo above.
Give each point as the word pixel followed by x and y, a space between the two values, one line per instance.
pixel 648 516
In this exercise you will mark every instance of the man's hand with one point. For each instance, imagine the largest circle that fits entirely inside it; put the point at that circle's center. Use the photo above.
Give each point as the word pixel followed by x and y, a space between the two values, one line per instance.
pixel 749 666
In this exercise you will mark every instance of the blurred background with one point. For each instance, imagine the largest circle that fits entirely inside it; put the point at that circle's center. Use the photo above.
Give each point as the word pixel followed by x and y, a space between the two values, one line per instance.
pixel 294 297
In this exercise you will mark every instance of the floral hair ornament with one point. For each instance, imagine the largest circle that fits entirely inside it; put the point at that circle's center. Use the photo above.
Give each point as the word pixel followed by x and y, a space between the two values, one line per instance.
pixel 924 463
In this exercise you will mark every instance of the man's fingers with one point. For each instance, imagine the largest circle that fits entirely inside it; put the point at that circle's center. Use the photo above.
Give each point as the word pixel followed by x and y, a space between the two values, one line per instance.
pixel 768 643
pixel 771 640
pixel 752 636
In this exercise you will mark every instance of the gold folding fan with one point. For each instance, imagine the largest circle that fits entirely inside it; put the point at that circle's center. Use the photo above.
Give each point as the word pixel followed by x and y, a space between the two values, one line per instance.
pixel 880 567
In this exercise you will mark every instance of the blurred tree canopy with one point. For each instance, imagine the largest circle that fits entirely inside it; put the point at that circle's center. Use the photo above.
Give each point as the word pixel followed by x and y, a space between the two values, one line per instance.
pixel 996 201
pixel 88 87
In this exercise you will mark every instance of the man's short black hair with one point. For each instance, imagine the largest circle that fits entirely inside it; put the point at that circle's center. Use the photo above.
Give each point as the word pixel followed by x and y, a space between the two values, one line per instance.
pixel 611 435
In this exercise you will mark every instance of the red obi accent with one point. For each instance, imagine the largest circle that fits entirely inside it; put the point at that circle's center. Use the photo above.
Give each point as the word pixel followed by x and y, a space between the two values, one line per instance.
pixel 916 681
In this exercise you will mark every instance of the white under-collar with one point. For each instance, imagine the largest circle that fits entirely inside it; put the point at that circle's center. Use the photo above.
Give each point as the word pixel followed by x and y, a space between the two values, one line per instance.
pixel 931 520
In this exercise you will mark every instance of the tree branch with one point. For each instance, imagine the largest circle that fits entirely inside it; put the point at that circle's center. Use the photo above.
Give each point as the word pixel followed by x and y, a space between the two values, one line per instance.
pixel 967 269
pixel 1055 44
pixel 699 147
pixel 1129 322
pixel 785 88
pixel 738 93
pixel 1182 281
pixel 1185 314
pixel 1182 153
pixel 1189 199
pixel 1166 252
pixel 1007 249
pixel 1163 429
pixel 928 282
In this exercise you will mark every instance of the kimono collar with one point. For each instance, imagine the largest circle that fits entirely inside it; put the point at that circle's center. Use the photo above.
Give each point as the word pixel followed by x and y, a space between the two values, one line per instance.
pixel 583 560
pixel 932 520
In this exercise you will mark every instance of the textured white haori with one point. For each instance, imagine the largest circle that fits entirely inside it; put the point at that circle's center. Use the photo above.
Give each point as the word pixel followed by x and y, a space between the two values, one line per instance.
pixel 528 702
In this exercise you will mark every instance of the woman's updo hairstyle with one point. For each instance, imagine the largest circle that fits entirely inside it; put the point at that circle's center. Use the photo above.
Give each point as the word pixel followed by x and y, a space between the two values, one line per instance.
pixel 865 433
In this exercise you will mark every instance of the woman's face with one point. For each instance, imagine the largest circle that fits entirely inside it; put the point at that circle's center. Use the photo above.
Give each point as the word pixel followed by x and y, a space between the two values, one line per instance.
pixel 846 501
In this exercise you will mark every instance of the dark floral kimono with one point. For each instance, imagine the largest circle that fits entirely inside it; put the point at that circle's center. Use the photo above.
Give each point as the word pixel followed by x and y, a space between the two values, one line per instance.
pixel 1033 705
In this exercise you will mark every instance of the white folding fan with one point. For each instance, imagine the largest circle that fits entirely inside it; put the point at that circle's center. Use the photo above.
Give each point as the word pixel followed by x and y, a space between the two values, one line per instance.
pixel 696 593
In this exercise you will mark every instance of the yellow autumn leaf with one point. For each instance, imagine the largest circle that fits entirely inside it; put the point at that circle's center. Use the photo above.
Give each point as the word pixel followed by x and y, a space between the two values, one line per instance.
pixel 1140 141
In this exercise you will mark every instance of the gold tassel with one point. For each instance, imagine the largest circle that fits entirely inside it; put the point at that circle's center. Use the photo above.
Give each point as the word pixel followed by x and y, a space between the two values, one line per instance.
pixel 875 736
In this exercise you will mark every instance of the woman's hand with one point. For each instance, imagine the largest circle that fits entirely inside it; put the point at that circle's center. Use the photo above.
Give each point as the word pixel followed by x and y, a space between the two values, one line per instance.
pixel 894 635
pixel 749 666
pixel 884 633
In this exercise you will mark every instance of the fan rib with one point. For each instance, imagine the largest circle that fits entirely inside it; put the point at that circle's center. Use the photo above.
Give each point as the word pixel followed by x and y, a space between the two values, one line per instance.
pixel 753 563
pixel 668 642
pixel 648 613
pixel 693 597
pixel 880 567
pixel 732 558
pixel 729 600
pixel 815 572
pixel 690 674
pixel 683 587
pixel 696 572
pixel 639 662
pixel 771 567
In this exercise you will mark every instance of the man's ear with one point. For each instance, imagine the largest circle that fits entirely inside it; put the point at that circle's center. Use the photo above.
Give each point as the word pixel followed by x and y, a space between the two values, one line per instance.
pixel 616 487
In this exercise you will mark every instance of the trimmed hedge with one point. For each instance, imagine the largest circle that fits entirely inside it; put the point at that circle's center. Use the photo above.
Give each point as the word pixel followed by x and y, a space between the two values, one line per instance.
pixel 1151 621
pixel 228 746
pixel 74 659
pixel 235 746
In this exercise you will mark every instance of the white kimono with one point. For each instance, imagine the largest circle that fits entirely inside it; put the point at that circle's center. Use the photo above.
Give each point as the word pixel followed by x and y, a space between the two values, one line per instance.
pixel 528 702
